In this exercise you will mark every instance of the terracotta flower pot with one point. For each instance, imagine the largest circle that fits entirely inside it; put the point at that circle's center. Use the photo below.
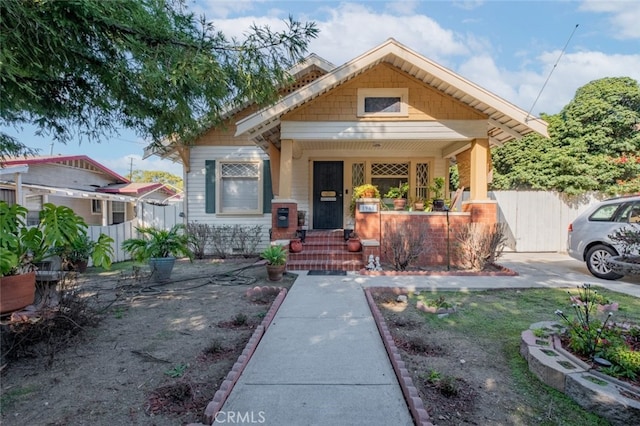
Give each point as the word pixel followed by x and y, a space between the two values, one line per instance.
pixel 17 291
pixel 295 246
pixel 399 203
pixel 275 272
pixel 354 245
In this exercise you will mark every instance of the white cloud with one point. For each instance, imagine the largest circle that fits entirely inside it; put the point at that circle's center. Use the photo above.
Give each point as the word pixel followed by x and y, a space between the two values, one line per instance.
pixel 624 20
pixel 351 29
pixel 572 72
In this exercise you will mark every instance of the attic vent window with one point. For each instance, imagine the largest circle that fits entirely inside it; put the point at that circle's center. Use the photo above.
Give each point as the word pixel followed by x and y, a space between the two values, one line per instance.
pixel 383 102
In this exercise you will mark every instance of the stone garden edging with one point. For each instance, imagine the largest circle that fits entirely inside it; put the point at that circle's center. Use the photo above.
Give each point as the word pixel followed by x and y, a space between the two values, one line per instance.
pixel 612 399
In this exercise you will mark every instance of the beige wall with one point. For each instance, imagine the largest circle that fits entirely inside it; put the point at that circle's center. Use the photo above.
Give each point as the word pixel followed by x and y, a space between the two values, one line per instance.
pixel 425 103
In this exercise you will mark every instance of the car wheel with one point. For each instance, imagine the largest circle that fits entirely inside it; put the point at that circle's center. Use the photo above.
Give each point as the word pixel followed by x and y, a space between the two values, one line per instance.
pixel 597 262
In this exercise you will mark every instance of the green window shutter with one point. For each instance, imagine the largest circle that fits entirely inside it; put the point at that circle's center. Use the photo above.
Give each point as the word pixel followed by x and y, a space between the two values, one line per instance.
pixel 210 186
pixel 267 190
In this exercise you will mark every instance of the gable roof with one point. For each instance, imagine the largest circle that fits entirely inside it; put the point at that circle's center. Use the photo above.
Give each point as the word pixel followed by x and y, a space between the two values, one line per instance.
pixel 137 188
pixel 311 65
pixel 78 161
pixel 506 121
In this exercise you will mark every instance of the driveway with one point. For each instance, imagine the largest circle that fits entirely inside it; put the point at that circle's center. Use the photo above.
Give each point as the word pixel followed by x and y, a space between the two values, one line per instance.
pixel 552 266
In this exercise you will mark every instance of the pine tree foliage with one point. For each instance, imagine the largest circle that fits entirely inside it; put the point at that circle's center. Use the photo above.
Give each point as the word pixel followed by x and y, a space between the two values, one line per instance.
pixel 85 68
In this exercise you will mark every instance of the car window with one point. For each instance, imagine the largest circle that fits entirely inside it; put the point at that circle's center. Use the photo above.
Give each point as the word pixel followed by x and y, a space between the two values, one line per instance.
pixel 605 213
pixel 634 213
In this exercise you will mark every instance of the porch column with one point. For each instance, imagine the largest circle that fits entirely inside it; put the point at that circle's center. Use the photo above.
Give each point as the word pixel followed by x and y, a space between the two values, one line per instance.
pixel 286 168
pixel 480 153
pixel 17 178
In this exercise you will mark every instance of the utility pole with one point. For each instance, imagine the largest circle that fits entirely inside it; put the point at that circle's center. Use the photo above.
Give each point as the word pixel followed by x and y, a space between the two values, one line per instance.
pixel 131 169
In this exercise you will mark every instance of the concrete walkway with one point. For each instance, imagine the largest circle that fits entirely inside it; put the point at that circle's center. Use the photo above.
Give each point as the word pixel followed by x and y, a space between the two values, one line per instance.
pixel 322 360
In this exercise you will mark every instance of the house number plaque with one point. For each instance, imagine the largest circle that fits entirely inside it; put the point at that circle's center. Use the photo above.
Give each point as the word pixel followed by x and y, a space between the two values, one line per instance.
pixel 368 207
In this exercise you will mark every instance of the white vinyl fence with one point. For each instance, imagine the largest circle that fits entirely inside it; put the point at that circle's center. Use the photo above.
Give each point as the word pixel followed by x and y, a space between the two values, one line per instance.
pixel 148 215
pixel 537 221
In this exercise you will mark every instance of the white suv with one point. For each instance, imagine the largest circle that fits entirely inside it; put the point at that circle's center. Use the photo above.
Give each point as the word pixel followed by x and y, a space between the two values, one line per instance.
pixel 588 236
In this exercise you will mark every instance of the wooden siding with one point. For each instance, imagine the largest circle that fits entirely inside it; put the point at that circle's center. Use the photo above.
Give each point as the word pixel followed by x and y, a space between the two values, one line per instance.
pixel 195 181
pixel 425 103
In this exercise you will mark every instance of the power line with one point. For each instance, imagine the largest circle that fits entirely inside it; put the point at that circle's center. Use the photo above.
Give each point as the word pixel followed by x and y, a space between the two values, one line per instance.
pixel 552 69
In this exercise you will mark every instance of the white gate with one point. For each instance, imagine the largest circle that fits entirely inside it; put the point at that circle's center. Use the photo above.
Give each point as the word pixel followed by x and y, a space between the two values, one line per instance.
pixel 537 221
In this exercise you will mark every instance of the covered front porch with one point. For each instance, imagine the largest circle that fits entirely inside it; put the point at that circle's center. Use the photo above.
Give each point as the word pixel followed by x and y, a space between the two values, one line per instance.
pixel 388 117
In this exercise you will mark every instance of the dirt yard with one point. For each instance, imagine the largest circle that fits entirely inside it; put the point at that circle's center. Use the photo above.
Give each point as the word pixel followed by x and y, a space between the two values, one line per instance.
pixel 159 353
pixel 156 357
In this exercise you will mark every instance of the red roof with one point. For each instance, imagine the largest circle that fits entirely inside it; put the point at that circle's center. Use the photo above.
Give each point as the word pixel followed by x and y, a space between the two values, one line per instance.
pixel 136 188
pixel 52 159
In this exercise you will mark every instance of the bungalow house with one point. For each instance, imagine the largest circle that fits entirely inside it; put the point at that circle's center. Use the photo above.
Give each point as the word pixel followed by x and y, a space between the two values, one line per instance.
pixel 387 117
pixel 99 195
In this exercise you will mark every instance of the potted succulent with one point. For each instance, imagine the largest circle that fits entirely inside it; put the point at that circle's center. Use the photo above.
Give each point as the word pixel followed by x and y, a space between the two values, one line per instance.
pixel 22 247
pixel 160 247
pixel 437 192
pixel 398 194
pixel 366 190
pixel 276 257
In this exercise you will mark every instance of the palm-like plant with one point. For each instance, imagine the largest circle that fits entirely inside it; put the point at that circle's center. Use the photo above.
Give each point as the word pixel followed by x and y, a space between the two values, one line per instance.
pixel 159 243
pixel 59 226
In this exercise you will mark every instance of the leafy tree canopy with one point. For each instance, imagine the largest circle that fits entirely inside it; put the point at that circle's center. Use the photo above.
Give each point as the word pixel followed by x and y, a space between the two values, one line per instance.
pixel 85 68
pixel 155 176
pixel 594 145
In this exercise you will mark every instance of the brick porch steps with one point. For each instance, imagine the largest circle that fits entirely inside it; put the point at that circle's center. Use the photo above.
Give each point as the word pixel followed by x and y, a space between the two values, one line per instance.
pixel 325 251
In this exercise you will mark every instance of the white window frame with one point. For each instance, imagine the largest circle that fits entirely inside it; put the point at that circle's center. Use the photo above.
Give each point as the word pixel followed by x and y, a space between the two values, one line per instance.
pixel 402 93
pixel 96 206
pixel 220 208
pixel 115 210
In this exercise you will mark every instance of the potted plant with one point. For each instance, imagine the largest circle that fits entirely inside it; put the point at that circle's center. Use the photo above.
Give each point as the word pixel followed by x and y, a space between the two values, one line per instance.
pixel 418 204
pixel 295 245
pixel 437 192
pixel 22 247
pixel 160 247
pixel 276 257
pixel 354 244
pixel 397 193
pixel 366 190
pixel 75 256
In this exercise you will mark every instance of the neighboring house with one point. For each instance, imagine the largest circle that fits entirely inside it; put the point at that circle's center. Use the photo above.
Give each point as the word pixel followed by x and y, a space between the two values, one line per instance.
pixel 388 116
pixel 99 195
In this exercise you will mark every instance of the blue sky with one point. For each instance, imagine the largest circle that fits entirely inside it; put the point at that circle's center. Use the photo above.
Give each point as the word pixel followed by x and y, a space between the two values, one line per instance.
pixel 508 47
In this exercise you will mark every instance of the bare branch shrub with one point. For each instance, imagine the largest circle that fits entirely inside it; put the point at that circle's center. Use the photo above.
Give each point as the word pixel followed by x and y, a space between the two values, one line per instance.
pixel 480 244
pixel 201 236
pixel 627 239
pixel 222 238
pixel 247 239
pixel 63 315
pixel 405 242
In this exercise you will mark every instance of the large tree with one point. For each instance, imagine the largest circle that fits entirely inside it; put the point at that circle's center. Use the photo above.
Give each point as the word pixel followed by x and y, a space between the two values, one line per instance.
pixel 594 145
pixel 84 68
pixel 155 176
